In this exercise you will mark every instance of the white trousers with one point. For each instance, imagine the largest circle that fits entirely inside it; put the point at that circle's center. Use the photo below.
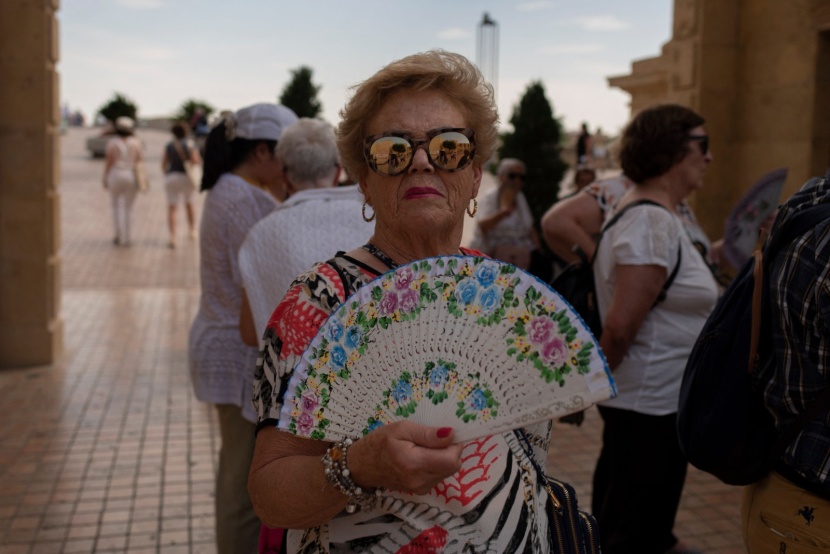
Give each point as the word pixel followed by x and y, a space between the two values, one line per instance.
pixel 122 189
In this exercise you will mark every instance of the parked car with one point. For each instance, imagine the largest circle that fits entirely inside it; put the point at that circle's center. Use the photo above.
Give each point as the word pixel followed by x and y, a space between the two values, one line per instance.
pixel 97 145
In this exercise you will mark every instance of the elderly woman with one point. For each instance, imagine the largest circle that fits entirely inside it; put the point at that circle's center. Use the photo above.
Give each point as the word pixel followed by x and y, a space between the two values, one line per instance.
pixel 504 228
pixel 483 496
pixel 649 330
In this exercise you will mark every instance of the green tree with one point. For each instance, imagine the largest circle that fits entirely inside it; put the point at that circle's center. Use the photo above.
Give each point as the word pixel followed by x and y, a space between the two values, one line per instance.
pixel 117 106
pixel 189 107
pixel 300 94
pixel 536 140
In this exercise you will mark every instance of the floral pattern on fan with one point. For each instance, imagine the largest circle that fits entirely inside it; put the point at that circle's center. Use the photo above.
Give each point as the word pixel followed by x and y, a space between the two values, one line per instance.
pixel 494 295
pixel 485 290
pixel 438 382
pixel 546 337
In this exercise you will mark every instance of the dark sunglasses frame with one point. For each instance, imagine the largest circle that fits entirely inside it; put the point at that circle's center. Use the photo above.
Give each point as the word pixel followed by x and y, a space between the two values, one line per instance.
pixel 703 140
pixel 512 175
pixel 418 143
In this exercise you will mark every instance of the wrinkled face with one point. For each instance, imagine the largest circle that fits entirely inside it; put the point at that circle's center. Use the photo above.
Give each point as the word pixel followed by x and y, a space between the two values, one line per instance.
pixel 692 168
pixel 423 199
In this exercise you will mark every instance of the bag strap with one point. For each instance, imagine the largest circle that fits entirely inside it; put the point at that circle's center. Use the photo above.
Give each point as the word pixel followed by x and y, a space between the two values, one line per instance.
pixel 180 152
pixel 616 217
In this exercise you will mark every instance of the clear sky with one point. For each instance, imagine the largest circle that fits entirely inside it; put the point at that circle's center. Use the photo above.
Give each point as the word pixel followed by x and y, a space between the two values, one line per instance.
pixel 231 53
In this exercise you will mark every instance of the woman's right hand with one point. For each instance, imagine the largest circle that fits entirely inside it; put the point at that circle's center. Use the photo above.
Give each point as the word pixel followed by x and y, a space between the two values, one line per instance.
pixel 405 456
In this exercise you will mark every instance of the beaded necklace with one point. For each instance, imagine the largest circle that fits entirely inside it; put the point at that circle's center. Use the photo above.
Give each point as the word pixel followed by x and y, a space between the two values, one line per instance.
pixel 379 254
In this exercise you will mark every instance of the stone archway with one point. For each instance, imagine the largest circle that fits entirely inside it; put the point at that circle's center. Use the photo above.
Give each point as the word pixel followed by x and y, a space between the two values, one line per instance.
pixel 31 331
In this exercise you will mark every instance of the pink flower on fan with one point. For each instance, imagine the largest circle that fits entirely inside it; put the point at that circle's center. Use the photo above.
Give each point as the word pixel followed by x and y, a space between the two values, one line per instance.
pixel 389 303
pixel 403 277
pixel 304 424
pixel 540 331
pixel 555 352
pixel 309 401
pixel 409 300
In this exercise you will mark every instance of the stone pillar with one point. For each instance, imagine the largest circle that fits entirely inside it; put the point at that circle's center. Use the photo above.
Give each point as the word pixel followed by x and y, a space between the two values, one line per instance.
pixel 31 330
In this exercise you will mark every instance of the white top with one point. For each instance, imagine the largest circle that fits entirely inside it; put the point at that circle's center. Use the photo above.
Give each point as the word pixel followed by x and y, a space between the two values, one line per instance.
pixel 310 227
pixel 648 378
pixel 513 230
pixel 221 365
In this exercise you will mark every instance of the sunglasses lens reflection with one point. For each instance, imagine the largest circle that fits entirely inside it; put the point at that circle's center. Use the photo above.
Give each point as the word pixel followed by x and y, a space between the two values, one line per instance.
pixel 450 151
pixel 390 155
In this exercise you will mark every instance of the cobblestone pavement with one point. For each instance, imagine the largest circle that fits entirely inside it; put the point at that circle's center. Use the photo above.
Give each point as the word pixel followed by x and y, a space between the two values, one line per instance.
pixel 108 451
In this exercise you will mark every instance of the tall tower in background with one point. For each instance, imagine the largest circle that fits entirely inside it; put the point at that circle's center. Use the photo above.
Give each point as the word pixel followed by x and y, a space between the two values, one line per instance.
pixel 487 51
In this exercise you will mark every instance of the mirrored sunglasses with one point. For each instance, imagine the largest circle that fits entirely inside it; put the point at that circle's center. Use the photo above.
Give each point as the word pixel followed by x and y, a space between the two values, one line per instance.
pixel 391 153
pixel 703 140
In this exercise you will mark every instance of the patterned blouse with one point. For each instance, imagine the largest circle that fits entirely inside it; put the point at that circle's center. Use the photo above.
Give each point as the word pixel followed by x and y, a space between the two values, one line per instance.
pixel 495 503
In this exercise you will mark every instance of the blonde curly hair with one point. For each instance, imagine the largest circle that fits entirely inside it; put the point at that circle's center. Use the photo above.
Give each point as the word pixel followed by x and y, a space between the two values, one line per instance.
pixel 447 72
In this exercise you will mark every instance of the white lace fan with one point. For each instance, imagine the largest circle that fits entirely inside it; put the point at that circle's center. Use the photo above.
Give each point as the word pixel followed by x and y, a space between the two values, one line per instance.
pixel 454 341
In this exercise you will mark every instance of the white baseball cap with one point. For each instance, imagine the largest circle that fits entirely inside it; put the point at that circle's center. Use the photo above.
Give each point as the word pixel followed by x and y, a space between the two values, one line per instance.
pixel 263 121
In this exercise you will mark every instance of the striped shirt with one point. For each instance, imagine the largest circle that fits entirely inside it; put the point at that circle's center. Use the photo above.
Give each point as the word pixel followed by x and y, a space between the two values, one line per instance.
pixel 800 293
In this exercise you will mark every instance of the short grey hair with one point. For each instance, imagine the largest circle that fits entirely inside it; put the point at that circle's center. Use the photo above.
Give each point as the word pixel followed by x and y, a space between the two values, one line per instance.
pixel 308 153
pixel 509 163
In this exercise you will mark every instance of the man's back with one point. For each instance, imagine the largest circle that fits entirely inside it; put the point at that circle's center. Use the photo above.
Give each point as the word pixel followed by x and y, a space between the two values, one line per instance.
pixel 309 227
pixel 787 511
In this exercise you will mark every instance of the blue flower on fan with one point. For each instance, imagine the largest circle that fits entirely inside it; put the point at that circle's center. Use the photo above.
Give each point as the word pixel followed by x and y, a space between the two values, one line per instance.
pixel 490 298
pixel 402 392
pixel 335 329
pixel 438 377
pixel 338 356
pixel 487 273
pixel 354 337
pixel 372 426
pixel 477 400
pixel 466 291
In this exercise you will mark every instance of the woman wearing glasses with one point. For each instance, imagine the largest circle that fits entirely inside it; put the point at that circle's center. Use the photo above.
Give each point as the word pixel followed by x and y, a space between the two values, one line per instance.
pixel 415 136
pixel 504 228
pixel 654 291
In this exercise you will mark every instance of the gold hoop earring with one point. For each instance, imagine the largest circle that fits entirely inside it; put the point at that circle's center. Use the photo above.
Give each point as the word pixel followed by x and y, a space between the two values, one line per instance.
pixel 474 211
pixel 363 212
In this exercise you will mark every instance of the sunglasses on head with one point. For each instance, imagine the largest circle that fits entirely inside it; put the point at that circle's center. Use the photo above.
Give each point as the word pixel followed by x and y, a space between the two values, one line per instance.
pixel 703 140
pixel 391 153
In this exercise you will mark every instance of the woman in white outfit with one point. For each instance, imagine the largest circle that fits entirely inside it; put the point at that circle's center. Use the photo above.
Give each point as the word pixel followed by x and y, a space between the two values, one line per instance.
pixel 123 152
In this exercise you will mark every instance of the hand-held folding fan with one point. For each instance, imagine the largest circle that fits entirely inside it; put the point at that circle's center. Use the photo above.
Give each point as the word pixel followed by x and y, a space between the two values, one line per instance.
pixel 740 234
pixel 458 341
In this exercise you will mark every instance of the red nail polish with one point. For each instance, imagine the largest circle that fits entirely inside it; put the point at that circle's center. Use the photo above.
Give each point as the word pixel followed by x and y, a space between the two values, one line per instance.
pixel 444 432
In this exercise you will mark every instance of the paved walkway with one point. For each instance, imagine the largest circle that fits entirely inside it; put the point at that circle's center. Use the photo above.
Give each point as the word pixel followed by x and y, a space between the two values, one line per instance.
pixel 108 451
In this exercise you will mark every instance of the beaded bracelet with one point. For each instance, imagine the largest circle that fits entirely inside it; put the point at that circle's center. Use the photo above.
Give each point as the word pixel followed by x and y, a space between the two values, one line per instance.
pixel 339 476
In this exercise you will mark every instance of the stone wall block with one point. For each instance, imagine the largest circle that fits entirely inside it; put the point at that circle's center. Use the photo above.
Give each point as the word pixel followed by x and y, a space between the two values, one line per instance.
pixel 776 113
pixel 23 235
pixel 22 33
pixel 24 165
pixel 22 346
pixel 25 95
pixel 22 291
pixel 684 64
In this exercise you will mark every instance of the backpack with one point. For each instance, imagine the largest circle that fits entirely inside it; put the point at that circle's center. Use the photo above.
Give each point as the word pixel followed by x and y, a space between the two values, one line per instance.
pixel 723 426
pixel 576 282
